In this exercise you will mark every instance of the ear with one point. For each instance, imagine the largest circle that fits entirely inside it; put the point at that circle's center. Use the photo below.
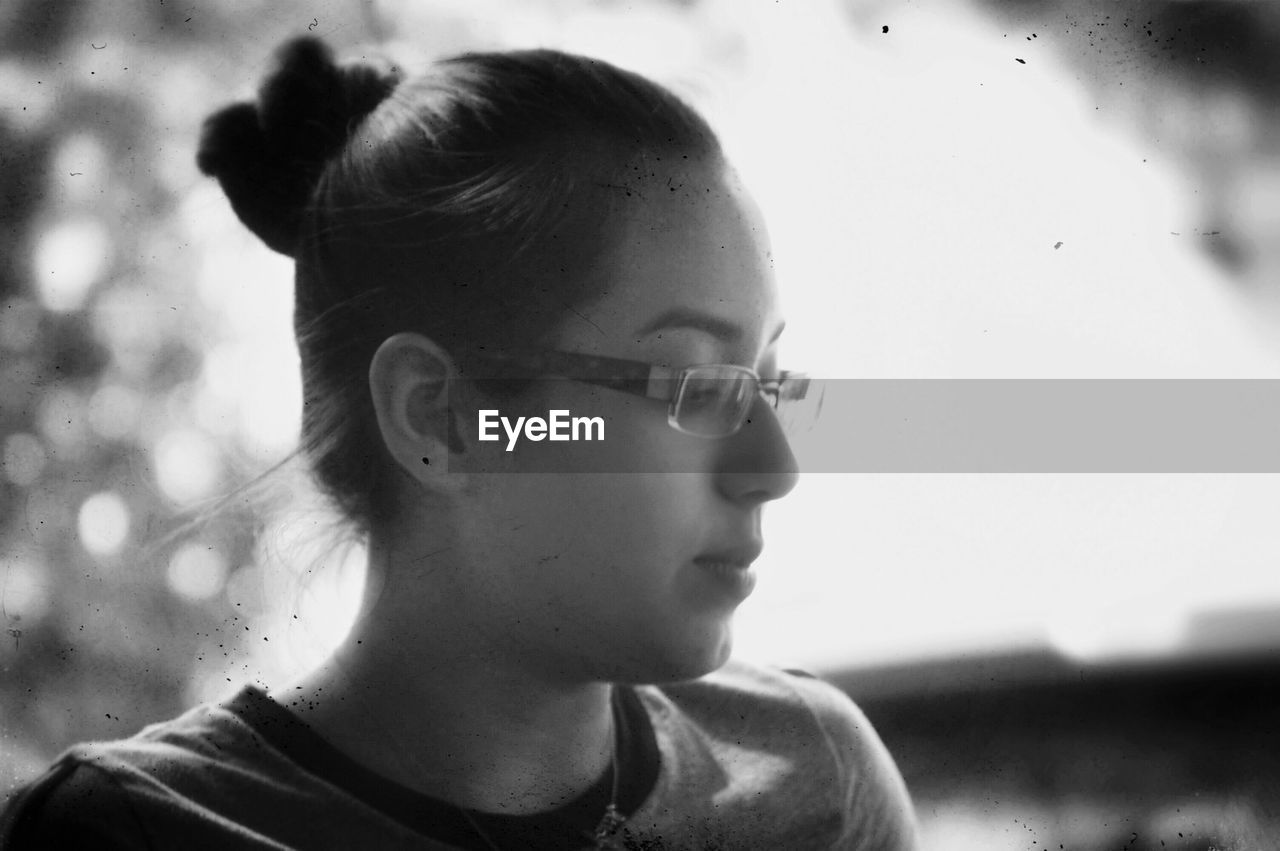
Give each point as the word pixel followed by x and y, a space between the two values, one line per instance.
pixel 409 379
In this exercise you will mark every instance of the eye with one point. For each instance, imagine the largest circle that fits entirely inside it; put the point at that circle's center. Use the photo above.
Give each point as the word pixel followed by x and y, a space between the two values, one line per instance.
pixel 702 393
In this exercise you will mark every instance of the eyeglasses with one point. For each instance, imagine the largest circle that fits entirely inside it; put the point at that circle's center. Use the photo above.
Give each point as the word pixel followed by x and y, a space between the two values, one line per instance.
pixel 706 400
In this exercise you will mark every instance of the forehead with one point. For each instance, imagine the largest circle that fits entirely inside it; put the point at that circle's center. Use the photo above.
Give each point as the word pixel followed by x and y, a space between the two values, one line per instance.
pixel 689 240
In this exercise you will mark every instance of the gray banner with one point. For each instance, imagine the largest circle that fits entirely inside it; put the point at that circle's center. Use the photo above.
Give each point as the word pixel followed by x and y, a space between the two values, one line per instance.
pixel 974 426
pixel 1046 426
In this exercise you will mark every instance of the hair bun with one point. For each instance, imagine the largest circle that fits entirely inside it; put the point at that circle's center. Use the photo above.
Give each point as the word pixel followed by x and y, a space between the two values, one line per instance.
pixel 269 156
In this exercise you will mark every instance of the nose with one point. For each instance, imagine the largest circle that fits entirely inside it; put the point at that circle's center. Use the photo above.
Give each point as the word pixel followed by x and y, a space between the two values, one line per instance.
pixel 757 464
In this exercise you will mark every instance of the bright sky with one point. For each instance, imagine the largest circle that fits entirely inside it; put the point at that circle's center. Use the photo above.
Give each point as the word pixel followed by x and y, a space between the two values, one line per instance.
pixel 915 226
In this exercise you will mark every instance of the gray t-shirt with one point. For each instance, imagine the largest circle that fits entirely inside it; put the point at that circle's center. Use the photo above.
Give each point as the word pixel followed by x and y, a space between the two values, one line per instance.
pixel 746 757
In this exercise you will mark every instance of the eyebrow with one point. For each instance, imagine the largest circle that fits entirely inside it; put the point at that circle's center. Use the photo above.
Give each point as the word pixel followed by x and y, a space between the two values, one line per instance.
pixel 683 317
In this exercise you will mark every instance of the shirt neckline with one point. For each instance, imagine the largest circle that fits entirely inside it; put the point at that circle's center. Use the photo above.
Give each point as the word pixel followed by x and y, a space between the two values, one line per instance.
pixel 566 826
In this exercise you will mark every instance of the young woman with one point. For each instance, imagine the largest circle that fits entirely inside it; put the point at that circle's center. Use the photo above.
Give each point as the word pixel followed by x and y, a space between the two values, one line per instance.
pixel 541 659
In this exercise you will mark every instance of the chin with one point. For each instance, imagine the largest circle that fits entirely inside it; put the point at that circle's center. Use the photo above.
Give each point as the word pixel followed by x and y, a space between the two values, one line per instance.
pixel 678 663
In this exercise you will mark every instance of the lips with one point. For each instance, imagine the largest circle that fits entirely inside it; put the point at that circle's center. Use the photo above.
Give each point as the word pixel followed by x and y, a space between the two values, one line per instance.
pixel 739 556
pixel 729 570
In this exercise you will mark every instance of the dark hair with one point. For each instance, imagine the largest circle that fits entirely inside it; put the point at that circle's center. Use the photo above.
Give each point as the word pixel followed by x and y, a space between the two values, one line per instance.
pixel 468 204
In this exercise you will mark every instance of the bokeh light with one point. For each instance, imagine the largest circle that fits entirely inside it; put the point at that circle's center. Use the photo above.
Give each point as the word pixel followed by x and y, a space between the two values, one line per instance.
pixel 187 465
pixel 197 572
pixel 82 168
pixel 26 102
pixel 103 523
pixel 70 257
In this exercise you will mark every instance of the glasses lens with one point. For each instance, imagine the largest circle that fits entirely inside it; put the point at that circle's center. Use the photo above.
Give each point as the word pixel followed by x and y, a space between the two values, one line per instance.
pixel 712 400
pixel 798 402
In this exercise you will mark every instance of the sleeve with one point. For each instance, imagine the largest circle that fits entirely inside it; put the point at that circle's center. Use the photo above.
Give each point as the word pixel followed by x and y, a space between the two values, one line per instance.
pixel 72 805
pixel 878 811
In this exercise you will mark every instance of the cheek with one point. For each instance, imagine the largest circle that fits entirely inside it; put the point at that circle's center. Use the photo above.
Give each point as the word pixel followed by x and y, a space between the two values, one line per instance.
pixel 638 527
pixel 625 529
pixel 601 575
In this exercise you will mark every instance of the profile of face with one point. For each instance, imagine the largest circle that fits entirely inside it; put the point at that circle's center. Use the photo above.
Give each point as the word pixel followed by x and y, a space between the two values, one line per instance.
pixel 587 575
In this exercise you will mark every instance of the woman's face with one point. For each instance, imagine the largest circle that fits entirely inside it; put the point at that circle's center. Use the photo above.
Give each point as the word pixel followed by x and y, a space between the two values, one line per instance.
pixel 620 576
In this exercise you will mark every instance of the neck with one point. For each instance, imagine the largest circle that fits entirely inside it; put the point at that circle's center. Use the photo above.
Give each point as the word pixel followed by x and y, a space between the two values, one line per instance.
pixel 439 709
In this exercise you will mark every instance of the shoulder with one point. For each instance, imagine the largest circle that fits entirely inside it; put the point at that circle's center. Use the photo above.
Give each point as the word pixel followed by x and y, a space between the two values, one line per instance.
pixel 72 805
pixel 167 779
pixel 172 755
pixel 810 721
pixel 799 700
pixel 878 800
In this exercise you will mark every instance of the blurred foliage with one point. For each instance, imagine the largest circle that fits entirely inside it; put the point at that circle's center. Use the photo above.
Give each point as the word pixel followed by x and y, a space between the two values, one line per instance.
pixel 102 342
